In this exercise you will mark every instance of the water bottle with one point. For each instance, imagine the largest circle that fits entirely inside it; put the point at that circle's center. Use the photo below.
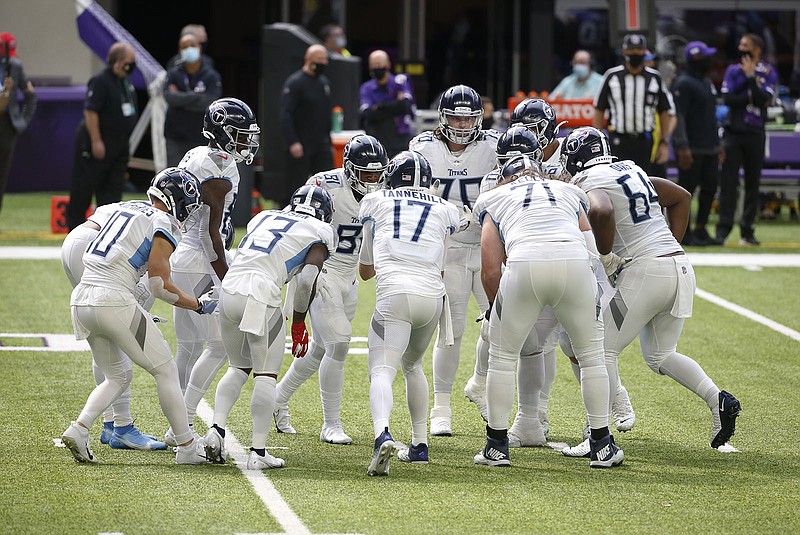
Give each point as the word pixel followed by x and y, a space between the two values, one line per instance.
pixel 337 119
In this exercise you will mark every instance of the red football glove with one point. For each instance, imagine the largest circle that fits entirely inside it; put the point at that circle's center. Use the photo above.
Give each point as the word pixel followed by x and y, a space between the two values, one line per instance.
pixel 299 340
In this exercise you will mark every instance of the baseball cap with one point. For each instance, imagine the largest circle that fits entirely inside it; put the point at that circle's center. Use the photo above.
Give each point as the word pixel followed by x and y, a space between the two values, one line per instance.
pixel 698 48
pixel 6 39
pixel 634 40
pixel 648 56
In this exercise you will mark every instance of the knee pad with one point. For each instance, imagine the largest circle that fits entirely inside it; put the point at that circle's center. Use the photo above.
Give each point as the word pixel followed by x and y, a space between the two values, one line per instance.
pixel 337 350
pixel 503 363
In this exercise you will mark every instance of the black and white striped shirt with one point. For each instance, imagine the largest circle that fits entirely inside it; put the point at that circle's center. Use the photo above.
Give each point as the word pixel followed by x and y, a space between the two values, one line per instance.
pixel 633 100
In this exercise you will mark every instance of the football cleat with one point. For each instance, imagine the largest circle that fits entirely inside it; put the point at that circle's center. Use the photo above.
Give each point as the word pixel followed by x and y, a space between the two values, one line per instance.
pixel 76 439
pixel 128 437
pixel 169 438
pixel 334 435
pixel 587 431
pixel 544 420
pixel 477 395
pixel 282 418
pixel 441 425
pixel 526 433
pixel 215 446
pixel 381 455
pixel 604 453
pixel 414 454
pixel 108 430
pixel 192 453
pixel 624 417
pixel 723 419
pixel 495 453
pixel 581 450
pixel 258 462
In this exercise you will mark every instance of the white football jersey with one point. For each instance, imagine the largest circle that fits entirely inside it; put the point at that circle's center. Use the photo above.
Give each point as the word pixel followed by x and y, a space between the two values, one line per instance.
pixel 460 174
pixel 408 230
pixel 346 222
pixel 102 214
pixel 641 229
pixel 208 163
pixel 273 251
pixel 117 258
pixel 530 212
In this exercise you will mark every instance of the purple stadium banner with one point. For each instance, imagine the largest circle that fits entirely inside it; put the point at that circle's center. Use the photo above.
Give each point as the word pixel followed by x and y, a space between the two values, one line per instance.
pixel 99 31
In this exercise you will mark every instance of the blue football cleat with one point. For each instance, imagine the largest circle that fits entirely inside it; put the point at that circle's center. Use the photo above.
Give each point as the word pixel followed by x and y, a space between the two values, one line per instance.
pixel 384 449
pixel 129 438
pixel 495 453
pixel 414 454
pixel 724 419
pixel 604 453
pixel 108 430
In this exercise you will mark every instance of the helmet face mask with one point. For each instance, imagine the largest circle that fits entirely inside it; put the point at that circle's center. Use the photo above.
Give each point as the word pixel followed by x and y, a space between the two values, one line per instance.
pixel 365 162
pixel 409 169
pixel 313 201
pixel 460 115
pixel 231 125
pixel 539 117
pixel 179 190
pixel 584 148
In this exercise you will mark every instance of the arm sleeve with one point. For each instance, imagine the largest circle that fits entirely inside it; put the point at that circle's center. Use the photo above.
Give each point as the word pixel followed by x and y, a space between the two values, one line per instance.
pixel 286 110
pixel 366 255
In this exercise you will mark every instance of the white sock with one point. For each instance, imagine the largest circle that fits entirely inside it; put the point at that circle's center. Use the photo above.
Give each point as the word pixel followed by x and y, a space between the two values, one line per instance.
pixel 500 385
pixel 262 404
pixel 481 359
pixel 171 400
pixel 297 374
pixel 441 399
pixel 549 358
pixel 108 414
pixel 530 380
pixel 331 382
pixel 185 356
pixel 417 398
pixel 445 366
pixel 688 373
pixel 228 390
pixel 594 389
pixel 203 374
pixel 381 397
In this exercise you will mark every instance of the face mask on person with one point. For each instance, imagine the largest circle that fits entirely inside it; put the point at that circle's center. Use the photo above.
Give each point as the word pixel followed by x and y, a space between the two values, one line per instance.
pixel 128 67
pixel 581 70
pixel 745 53
pixel 340 42
pixel 634 60
pixel 702 65
pixel 190 54
pixel 378 73
pixel 319 68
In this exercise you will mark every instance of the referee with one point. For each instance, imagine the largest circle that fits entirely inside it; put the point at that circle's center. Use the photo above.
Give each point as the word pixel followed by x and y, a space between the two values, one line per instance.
pixel 633 94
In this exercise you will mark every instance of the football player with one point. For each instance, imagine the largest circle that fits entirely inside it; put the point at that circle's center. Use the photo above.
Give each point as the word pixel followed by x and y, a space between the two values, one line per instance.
pixel 654 279
pixel 460 154
pixel 406 228
pixel 139 236
pixel 332 311
pixel 547 264
pixel 200 262
pixel 279 246
pixel 118 429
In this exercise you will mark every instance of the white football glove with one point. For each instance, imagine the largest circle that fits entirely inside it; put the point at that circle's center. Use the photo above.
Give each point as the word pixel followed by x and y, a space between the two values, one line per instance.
pixel 142 295
pixel 465 218
pixel 613 265
pixel 483 319
pixel 207 302
pixel 434 189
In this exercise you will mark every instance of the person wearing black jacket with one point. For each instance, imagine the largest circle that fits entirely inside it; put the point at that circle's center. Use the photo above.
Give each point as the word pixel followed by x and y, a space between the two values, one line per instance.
pixel 304 116
pixel 696 139
pixel 189 89
pixel 747 89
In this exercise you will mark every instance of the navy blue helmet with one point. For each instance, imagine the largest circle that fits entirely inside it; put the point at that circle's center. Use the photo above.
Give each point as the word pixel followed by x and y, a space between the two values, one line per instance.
pixel 519 166
pixel 583 148
pixel 364 154
pixel 457 103
pixel 539 117
pixel 178 189
pixel 515 141
pixel 409 168
pixel 232 126
pixel 313 201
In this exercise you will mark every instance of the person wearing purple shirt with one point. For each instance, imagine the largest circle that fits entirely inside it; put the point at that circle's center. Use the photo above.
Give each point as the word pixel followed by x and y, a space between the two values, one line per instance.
pixel 748 88
pixel 387 105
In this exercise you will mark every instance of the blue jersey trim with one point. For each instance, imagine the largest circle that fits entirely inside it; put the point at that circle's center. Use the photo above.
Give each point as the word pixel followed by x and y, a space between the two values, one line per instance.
pixel 141 256
pixel 298 259
pixel 168 235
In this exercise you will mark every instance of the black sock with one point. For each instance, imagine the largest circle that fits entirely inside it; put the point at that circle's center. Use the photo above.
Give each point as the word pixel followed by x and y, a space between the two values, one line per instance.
pixel 497 434
pixel 220 430
pixel 600 432
pixel 260 452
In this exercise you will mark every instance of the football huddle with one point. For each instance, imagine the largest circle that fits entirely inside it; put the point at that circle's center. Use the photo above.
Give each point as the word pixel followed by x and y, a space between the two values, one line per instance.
pixel 558 242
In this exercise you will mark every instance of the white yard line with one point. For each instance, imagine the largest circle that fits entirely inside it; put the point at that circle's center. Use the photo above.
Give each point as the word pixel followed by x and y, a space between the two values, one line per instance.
pixel 749 314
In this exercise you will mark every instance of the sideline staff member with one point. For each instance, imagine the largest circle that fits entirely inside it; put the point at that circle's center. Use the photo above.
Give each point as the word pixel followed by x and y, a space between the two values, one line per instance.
pixel 101 144
pixel 633 94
